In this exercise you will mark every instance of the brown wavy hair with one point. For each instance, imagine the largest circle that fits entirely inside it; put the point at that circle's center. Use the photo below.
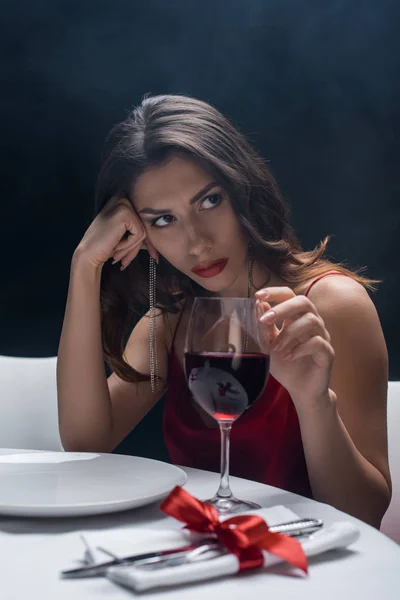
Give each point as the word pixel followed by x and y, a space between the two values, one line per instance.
pixel 159 127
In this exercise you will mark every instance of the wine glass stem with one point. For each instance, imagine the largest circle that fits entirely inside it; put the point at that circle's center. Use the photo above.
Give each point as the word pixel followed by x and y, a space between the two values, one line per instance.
pixel 224 491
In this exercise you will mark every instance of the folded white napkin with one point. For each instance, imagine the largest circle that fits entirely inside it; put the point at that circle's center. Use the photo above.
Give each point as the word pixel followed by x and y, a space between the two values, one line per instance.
pixel 129 541
pixel 126 541
pixel 339 535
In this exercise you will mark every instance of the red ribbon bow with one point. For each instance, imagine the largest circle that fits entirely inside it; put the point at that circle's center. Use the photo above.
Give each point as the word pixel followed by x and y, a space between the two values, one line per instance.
pixel 245 535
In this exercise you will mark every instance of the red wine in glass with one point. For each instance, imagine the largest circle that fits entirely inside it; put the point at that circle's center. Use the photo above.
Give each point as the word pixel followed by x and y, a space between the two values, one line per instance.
pixel 226 370
pixel 225 384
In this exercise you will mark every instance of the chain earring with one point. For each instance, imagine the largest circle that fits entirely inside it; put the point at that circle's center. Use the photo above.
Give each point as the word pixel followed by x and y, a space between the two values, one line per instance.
pixel 249 274
pixel 249 278
pixel 153 337
pixel 250 261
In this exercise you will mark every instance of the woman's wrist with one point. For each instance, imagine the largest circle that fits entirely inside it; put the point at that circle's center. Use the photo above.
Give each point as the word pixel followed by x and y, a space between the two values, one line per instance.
pixel 80 262
pixel 317 407
pixel 84 275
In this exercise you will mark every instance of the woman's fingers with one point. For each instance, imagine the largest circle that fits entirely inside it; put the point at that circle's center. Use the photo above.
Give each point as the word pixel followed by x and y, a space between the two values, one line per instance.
pixel 297 318
pixel 289 310
pixel 131 241
pixel 128 255
pixel 135 236
pixel 128 258
pixel 150 249
pixel 275 294
pixel 298 331
pixel 319 349
pixel 271 331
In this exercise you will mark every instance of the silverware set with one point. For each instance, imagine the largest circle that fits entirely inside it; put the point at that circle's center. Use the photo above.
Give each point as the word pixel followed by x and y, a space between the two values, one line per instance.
pixel 201 550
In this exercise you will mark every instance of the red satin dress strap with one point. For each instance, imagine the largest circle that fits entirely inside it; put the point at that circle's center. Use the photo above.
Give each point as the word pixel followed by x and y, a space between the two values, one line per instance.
pixel 321 277
pixel 266 442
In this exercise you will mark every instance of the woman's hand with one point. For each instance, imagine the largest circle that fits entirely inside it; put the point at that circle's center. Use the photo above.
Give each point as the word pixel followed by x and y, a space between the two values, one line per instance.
pixel 298 343
pixel 116 232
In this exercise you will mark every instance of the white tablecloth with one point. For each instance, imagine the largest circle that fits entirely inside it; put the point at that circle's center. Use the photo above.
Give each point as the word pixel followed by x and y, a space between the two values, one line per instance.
pixel 33 551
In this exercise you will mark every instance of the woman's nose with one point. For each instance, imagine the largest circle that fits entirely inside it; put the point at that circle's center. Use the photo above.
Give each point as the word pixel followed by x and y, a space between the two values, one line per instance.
pixel 198 242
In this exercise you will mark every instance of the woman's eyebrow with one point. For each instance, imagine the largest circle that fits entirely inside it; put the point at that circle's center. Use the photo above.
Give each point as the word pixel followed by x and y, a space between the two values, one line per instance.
pixel 196 197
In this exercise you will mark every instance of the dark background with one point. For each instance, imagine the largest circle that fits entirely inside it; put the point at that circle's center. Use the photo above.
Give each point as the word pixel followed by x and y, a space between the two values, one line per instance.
pixel 313 83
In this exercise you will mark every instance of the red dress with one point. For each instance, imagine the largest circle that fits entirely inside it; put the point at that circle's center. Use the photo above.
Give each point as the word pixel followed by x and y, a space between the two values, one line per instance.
pixel 266 443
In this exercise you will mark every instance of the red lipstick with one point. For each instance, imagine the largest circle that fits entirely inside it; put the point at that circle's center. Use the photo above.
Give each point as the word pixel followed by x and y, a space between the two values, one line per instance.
pixel 211 269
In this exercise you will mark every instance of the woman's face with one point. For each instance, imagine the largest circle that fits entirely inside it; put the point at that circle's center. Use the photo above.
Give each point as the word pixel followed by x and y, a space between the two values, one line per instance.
pixel 189 219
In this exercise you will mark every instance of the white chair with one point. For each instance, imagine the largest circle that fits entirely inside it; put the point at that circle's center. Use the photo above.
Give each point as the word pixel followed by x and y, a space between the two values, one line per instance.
pixel 28 403
pixel 391 521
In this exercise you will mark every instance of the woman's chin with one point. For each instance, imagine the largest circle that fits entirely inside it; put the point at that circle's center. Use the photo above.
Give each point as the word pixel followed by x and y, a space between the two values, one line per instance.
pixel 221 288
pixel 211 286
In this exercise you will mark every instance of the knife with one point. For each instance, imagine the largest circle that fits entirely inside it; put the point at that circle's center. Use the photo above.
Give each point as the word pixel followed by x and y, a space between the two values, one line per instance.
pixel 101 568
pixel 295 528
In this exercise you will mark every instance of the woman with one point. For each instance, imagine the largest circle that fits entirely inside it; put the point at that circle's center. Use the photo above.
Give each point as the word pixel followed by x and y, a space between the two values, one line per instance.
pixel 181 183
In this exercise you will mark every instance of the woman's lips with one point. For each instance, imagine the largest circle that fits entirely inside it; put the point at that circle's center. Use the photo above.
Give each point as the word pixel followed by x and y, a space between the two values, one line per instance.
pixel 211 269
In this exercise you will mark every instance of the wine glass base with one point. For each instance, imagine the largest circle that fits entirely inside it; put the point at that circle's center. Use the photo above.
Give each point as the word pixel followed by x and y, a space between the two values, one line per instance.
pixel 231 505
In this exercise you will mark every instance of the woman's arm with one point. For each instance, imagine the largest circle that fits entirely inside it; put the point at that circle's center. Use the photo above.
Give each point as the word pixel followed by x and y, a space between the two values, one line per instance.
pixel 345 434
pixel 84 407
pixel 331 356
pixel 96 414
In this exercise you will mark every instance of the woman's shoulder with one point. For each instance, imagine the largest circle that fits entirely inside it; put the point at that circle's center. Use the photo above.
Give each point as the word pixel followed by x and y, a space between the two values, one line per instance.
pixel 353 323
pixel 330 280
pixel 340 299
pixel 333 286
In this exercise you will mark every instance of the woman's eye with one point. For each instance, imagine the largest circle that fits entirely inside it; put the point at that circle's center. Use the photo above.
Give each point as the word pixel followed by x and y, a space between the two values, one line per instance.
pixel 162 221
pixel 211 201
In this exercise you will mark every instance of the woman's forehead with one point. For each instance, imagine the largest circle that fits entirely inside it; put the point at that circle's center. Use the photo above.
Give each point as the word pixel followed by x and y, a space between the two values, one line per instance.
pixel 177 179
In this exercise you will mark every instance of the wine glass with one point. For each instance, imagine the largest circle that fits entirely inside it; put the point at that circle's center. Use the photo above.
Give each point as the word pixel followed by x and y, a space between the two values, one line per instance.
pixel 226 369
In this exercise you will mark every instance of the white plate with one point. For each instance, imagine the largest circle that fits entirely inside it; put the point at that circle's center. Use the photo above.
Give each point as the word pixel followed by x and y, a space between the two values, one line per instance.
pixel 70 484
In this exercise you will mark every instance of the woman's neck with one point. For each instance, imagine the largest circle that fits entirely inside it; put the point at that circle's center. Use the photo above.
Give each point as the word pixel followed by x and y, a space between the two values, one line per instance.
pixel 250 281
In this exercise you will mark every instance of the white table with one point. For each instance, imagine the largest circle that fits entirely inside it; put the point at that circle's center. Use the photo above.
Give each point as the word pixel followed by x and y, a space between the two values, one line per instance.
pixel 33 551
